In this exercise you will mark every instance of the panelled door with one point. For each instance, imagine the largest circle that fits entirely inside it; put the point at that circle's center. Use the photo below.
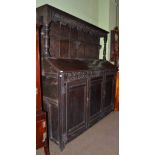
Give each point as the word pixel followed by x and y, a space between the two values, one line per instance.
pixel 76 107
pixel 95 99
pixel 109 89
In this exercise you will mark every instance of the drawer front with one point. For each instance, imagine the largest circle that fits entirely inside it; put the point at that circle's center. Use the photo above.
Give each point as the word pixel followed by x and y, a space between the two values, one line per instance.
pixel 41 133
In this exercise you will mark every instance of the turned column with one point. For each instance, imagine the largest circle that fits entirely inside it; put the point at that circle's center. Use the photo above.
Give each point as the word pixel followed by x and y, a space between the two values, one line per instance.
pixel 104 50
pixel 45 35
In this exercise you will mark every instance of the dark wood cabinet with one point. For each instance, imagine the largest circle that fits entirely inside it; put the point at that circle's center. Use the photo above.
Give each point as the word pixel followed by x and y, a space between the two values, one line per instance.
pixel 78 87
pixel 75 100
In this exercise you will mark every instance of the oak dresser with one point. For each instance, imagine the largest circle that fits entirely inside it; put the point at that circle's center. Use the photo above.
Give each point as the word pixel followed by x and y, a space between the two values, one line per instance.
pixel 78 87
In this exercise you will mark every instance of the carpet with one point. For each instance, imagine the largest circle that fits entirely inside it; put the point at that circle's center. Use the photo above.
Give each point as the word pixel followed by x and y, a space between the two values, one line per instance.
pixel 100 139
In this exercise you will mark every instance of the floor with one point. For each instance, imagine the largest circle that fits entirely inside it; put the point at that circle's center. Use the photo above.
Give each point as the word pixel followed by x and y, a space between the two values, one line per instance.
pixel 100 139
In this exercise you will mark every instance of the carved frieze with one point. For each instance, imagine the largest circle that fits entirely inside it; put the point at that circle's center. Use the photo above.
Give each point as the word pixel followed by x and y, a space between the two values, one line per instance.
pixel 56 17
pixel 71 76
pixel 48 14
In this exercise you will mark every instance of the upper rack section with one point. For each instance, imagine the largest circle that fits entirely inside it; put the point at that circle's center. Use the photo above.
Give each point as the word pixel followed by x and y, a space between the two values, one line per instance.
pixel 65 36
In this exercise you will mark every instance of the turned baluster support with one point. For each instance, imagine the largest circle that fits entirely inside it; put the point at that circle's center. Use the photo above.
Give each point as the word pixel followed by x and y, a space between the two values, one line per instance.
pixel 104 50
pixel 45 33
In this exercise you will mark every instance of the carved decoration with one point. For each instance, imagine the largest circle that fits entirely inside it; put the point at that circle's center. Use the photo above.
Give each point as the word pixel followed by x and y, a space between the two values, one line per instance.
pixel 45 37
pixel 55 15
pixel 74 24
pixel 67 75
pixel 71 76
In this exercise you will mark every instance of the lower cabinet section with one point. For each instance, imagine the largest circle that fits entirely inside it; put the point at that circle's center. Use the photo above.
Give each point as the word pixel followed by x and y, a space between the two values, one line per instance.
pixel 81 104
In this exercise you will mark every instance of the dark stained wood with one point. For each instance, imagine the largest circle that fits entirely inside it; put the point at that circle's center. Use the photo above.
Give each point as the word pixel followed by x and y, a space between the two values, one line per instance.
pixel 46 12
pixel 76 99
pixel 69 64
pixel 54 43
pixel 109 91
pixel 95 103
pixel 65 36
pixel 41 125
pixel 64 48
pixel 78 88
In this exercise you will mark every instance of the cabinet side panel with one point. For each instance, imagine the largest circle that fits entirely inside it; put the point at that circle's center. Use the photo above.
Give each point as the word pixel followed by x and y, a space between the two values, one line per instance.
pixel 50 97
pixel 54 122
pixel 50 88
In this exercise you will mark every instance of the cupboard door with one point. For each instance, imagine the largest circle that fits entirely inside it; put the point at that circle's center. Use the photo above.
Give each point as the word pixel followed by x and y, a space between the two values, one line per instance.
pixel 76 108
pixel 95 102
pixel 109 93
